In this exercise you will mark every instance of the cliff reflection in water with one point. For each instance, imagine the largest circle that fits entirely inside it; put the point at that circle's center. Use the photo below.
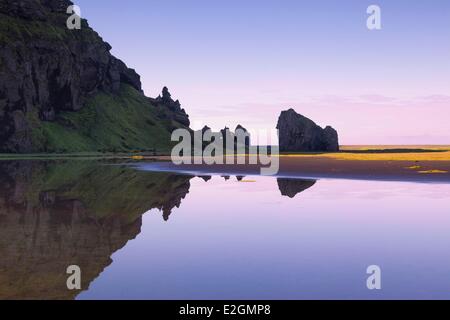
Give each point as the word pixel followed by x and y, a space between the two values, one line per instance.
pixel 56 214
pixel 59 213
pixel 292 187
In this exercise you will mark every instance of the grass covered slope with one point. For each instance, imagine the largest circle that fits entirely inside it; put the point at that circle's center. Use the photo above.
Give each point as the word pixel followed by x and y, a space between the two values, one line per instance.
pixel 126 121
pixel 62 91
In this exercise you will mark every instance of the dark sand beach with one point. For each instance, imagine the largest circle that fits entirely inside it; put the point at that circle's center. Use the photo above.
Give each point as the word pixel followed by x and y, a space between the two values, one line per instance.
pixel 396 166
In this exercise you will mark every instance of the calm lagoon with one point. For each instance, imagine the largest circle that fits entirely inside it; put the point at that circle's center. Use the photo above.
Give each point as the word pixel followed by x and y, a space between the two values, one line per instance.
pixel 154 235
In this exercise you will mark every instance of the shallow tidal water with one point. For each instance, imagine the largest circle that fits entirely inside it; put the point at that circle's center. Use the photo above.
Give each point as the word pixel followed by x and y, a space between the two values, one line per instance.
pixel 156 235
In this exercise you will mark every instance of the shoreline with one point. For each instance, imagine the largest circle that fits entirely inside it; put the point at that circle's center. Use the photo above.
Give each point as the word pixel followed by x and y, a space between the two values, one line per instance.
pixel 319 168
pixel 394 163
pixel 344 149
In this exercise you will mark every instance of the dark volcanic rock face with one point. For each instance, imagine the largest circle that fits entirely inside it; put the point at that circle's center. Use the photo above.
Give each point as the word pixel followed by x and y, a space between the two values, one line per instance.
pixel 46 68
pixel 300 134
pixel 242 139
pixel 170 109
pixel 237 142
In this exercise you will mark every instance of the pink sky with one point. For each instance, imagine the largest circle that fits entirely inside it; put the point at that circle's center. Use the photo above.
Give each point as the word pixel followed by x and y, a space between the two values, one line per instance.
pixel 235 61
pixel 361 119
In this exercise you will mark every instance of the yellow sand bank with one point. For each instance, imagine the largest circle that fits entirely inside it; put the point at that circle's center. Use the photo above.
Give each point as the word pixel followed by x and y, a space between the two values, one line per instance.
pixel 414 156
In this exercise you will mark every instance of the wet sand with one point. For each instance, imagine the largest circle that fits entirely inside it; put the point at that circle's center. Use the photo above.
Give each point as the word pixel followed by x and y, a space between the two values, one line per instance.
pixel 319 166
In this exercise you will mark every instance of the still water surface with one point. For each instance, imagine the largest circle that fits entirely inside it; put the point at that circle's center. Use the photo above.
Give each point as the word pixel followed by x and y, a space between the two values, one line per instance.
pixel 155 235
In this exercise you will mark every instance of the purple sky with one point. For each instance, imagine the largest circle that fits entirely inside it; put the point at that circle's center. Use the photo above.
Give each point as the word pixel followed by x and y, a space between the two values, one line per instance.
pixel 237 61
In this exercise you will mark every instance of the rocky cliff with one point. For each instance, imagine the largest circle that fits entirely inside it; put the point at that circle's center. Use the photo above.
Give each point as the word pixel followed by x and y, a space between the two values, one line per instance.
pixel 300 134
pixel 239 140
pixel 61 90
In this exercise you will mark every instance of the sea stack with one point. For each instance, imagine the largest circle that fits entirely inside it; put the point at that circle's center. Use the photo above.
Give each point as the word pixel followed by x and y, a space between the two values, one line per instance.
pixel 300 134
pixel 242 138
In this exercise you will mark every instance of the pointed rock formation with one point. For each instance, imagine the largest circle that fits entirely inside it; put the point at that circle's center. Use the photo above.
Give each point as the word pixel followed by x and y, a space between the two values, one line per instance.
pixel 243 141
pixel 169 109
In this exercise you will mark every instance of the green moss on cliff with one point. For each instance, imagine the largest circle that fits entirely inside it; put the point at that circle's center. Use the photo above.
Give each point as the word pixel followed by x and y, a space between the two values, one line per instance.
pixel 15 29
pixel 122 122
pixel 108 123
